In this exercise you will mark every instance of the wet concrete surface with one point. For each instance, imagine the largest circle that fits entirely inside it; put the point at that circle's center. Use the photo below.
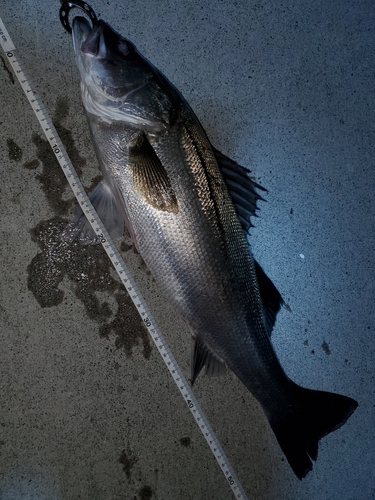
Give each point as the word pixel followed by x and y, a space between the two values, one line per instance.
pixel 88 410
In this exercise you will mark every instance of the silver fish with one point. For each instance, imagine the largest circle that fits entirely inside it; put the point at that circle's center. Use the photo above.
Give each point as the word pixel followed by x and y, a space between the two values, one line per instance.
pixel 187 208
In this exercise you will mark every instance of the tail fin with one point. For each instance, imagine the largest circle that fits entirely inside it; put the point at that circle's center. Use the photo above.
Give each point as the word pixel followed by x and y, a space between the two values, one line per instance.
pixel 315 415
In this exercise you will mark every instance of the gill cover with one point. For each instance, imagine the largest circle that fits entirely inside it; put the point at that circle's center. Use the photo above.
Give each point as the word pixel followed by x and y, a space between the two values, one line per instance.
pixel 117 83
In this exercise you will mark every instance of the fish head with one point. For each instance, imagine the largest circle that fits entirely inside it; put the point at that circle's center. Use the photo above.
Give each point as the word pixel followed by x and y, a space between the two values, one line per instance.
pixel 118 83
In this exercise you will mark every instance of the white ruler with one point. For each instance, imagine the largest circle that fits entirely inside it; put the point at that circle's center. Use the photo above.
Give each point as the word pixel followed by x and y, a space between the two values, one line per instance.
pixel 116 259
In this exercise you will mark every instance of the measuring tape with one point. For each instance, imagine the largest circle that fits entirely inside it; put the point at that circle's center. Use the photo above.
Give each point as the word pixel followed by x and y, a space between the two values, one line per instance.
pixel 116 259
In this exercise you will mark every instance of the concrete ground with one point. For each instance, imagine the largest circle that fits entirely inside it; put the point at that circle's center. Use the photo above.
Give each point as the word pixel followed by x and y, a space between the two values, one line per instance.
pixel 88 410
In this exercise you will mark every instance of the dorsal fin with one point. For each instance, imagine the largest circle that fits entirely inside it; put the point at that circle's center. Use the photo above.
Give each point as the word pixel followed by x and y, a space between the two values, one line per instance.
pixel 241 188
pixel 271 298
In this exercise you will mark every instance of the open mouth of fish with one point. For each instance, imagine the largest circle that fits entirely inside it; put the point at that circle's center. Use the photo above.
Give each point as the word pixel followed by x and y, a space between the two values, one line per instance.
pixel 90 40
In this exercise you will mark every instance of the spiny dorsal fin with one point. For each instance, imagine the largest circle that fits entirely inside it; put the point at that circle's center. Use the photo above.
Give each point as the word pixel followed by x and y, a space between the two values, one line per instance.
pixel 201 357
pixel 241 188
pixel 150 177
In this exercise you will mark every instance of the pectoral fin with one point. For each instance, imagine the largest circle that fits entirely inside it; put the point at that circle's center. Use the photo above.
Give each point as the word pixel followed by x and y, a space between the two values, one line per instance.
pixel 150 178
pixel 107 201
pixel 201 356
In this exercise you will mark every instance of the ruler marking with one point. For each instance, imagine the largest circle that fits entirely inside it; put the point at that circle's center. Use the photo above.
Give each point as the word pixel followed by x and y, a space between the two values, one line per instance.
pixel 116 259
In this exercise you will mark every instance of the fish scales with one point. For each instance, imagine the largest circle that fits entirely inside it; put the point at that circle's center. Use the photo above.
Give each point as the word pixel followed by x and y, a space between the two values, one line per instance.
pixel 201 262
pixel 211 283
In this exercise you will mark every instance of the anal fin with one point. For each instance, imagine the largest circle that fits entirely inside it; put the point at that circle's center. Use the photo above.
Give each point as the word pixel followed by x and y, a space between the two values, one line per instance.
pixel 202 356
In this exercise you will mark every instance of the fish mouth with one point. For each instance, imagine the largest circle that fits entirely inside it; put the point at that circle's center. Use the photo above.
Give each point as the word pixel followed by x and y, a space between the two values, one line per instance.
pixel 89 40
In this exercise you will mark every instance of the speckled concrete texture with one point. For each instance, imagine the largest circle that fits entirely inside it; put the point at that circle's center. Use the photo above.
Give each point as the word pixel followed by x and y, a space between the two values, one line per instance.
pixel 88 411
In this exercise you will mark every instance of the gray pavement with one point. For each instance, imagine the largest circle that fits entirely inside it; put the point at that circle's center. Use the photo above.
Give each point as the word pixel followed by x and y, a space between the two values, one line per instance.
pixel 88 411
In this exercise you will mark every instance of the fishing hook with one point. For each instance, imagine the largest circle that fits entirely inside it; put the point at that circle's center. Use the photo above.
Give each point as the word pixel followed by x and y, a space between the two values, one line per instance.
pixel 68 5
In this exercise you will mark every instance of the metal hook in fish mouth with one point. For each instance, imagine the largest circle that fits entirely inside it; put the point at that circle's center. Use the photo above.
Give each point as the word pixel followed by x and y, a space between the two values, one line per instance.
pixel 68 5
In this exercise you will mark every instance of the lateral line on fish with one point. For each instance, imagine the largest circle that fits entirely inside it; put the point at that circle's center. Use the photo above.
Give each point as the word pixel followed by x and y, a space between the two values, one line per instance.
pixel 208 179
pixel 120 266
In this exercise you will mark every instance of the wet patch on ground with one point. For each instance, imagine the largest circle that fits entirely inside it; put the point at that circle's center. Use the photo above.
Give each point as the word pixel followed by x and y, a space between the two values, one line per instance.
pixel 326 348
pixel 128 461
pixel 14 151
pixel 31 165
pixel 185 441
pixel 7 70
pixel 145 493
pixel 52 178
pixel 86 266
pixel 134 332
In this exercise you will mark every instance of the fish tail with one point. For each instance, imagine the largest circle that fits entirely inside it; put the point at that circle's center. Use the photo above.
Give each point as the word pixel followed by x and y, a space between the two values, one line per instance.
pixel 315 414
